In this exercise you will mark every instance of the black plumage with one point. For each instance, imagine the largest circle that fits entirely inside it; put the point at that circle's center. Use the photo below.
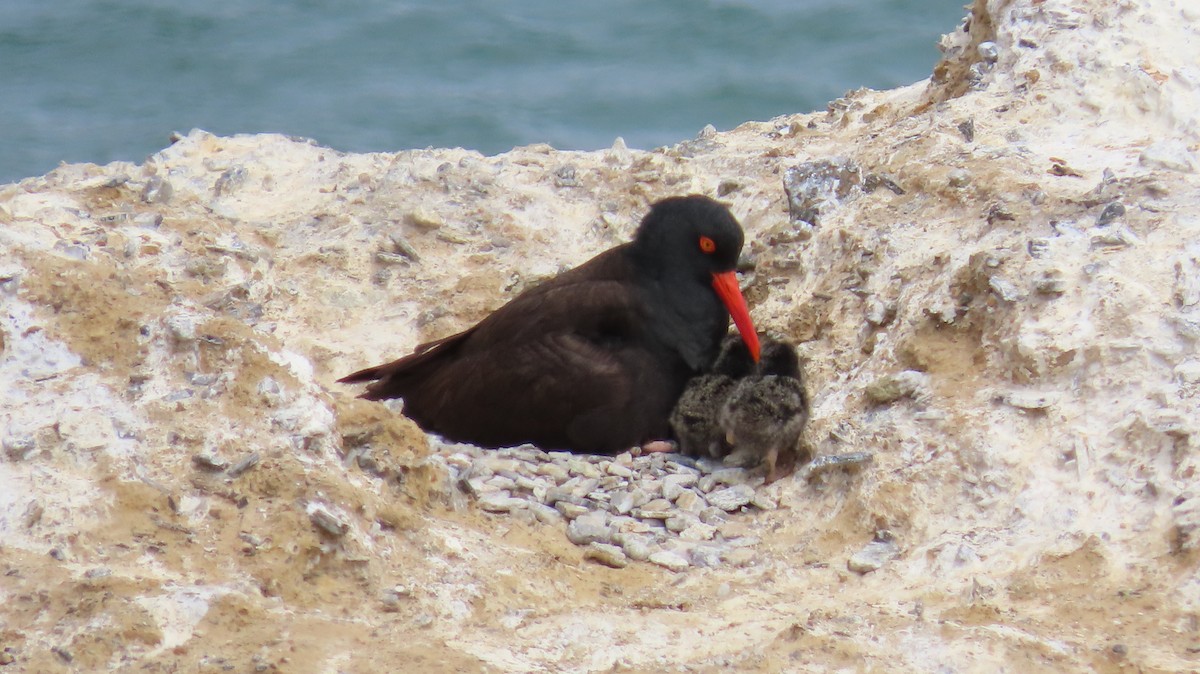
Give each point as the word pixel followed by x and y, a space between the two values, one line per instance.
pixel 594 359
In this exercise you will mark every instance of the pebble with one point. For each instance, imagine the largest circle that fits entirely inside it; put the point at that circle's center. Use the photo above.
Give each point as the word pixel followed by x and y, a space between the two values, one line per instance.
pixel 681 463
pixel 624 523
pixel 674 485
pixel 156 191
pixel 460 462
pixel 500 502
pixel 499 464
pixel 554 472
pixel 676 524
pixel 19 447
pixel 501 483
pixel 327 521
pixel 731 498
pixel 209 462
pixel 619 471
pixel 475 486
pixel 689 501
pixel 651 487
pixel 706 556
pixel 1051 282
pixel 565 176
pixel 480 471
pixel 988 51
pixel 657 504
pixel 591 527
pixel 828 462
pixel 726 476
pixel 763 501
pixel 637 547
pixel 545 514
pixel 967 129
pixel 874 555
pixel 580 486
pixel 423 219
pixel 878 312
pixel 1171 154
pixel 890 388
pixel 622 502
pixel 584 468
pixel 570 510
pixel 1004 289
pixel 1031 400
pixel 815 187
pixel 1188 371
pixel 1115 236
pixel 670 559
pixel 559 495
pixel 1111 213
pixel 612 482
pixel 608 555
pixel 712 515
pixel 652 514
pixel 698 531
pixel 32 514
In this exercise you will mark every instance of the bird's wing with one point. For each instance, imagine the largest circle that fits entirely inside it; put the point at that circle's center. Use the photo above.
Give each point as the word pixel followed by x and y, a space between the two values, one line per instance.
pixel 559 366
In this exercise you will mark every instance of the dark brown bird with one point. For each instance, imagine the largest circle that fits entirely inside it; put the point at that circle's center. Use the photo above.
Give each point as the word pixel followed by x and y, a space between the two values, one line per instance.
pixel 765 413
pixel 592 360
pixel 694 419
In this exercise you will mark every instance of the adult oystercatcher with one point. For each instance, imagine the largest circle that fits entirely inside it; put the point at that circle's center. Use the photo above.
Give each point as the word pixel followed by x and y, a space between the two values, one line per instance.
pixel 592 360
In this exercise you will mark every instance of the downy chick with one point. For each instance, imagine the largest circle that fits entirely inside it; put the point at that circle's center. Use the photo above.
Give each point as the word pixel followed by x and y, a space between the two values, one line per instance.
pixel 694 419
pixel 764 413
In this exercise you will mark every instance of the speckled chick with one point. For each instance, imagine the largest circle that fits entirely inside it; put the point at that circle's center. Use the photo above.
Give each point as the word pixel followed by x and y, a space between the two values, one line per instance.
pixel 694 419
pixel 763 415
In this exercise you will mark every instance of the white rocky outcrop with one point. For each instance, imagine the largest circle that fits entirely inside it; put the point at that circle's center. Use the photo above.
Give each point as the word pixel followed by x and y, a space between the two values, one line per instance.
pixel 993 276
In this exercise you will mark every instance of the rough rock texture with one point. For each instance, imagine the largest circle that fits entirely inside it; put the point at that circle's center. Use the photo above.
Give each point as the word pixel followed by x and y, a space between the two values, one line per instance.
pixel 183 487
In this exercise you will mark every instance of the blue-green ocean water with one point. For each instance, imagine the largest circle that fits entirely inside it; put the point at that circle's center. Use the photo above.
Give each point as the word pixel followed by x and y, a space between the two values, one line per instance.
pixel 100 80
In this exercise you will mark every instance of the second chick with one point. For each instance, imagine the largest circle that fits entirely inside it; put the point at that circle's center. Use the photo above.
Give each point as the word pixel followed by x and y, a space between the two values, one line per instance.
pixel 763 414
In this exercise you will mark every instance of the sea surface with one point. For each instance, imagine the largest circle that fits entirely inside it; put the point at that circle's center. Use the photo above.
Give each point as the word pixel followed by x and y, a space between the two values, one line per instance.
pixel 102 80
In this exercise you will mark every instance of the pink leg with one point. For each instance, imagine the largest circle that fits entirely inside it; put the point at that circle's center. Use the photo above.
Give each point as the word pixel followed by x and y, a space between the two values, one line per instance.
pixel 777 469
pixel 658 447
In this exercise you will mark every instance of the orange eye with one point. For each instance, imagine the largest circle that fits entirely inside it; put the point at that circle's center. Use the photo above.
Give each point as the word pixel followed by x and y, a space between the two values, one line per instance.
pixel 708 245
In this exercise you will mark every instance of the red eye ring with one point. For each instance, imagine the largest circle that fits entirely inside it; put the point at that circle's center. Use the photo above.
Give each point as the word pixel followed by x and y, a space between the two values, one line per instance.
pixel 707 245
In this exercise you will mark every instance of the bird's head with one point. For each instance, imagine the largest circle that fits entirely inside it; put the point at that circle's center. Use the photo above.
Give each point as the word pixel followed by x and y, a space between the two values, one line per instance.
pixel 695 236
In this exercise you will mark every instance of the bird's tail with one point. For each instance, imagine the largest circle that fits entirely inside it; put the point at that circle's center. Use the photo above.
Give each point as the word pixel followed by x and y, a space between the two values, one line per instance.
pixel 391 380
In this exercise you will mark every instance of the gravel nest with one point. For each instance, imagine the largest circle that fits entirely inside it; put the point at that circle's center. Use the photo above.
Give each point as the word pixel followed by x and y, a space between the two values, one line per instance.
pixel 666 509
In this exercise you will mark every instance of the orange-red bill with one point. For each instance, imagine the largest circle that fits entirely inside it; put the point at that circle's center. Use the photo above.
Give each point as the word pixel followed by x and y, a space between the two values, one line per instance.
pixel 726 285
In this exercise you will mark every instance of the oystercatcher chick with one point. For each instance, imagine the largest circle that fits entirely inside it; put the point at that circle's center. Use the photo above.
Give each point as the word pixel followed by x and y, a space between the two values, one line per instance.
pixel 694 419
pixel 763 415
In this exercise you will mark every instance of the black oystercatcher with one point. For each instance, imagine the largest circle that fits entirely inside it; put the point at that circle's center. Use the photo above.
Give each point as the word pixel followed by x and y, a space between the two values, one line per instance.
pixel 592 360
pixel 764 414
pixel 694 419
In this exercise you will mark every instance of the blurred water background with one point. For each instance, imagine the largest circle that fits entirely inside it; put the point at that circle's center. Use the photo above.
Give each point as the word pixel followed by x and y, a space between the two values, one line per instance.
pixel 101 80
